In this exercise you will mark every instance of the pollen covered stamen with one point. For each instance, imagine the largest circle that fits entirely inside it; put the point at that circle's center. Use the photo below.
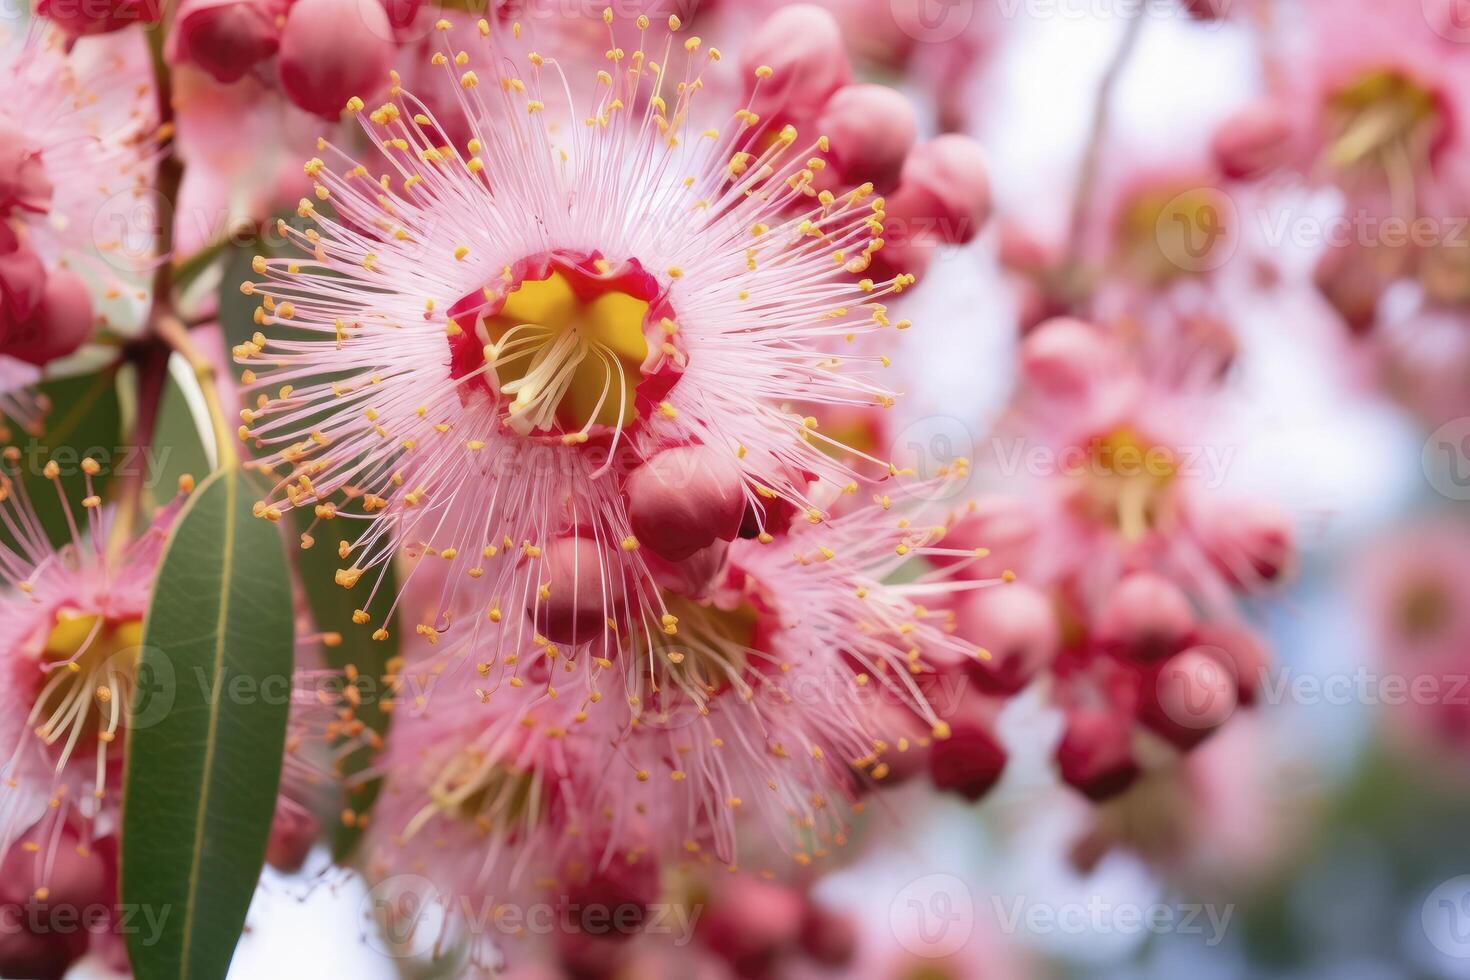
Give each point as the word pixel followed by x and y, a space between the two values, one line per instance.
pixel 480 790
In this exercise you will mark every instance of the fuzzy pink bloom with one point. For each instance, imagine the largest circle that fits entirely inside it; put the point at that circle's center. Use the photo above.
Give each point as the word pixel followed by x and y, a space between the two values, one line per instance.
pixel 1417 594
pixel 73 625
pixel 761 699
pixel 1133 559
pixel 502 335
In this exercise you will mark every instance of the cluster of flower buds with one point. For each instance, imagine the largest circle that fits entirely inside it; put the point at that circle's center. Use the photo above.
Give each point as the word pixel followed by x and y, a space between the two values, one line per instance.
pixel 937 191
pixel 319 52
pixel 1131 559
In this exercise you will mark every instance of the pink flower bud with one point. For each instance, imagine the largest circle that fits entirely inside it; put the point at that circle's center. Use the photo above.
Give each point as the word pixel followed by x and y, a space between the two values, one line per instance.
pixel 1207 9
pixel 871 129
pixel 1022 252
pixel 827 936
pixel 22 284
pixel 970 761
pixel 1066 358
pixel 24 185
pixel 332 50
pixel 751 923
pixel 60 323
pixel 226 38
pixel 1018 628
pixel 77 18
pixel 695 575
pixel 1191 694
pixel 41 871
pixel 946 181
pixel 685 499
pixel 1250 541
pixel 574 611
pixel 1241 650
pixel 1253 141
pixel 1146 617
pixel 293 832
pixel 1095 755
pixel 802 45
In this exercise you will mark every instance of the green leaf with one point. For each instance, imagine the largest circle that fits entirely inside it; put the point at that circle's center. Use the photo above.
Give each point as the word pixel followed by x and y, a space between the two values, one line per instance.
pixel 207 731
pixel 177 448
pixel 84 421
pixel 332 607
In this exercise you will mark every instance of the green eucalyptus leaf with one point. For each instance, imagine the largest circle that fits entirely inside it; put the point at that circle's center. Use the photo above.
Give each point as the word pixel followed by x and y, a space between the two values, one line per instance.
pixel 205 747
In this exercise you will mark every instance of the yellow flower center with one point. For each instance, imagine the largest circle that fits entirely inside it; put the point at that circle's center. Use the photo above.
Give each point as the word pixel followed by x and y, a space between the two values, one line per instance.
pixel 1384 117
pixel 567 364
pixel 90 664
pixel 1125 484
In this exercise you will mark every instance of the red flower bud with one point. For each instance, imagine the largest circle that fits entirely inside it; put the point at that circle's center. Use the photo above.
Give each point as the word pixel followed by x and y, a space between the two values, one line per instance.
pixel 332 50
pixel 1095 755
pixel 1018 628
pixel 573 612
pixel 60 323
pixel 1146 617
pixel 802 45
pixel 77 18
pixel 871 129
pixel 685 499
pixel 970 761
pixel 226 38
pixel 22 284
pixel 293 832
pixel 1190 695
